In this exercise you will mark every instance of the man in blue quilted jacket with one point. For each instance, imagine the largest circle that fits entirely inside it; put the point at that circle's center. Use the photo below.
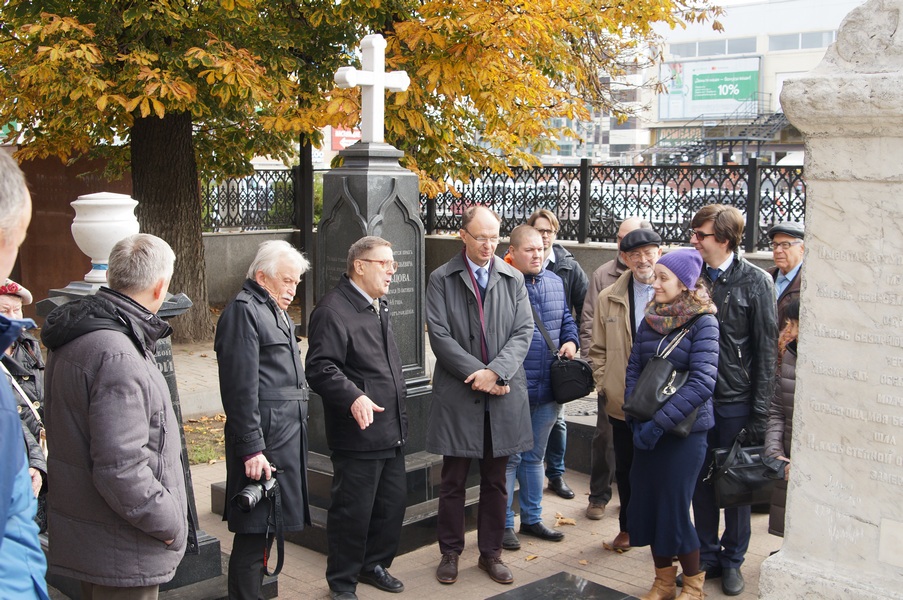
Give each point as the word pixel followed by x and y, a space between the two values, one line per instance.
pixel 547 297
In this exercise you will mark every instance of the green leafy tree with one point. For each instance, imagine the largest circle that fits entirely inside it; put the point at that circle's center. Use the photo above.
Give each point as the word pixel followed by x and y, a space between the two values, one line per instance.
pixel 176 89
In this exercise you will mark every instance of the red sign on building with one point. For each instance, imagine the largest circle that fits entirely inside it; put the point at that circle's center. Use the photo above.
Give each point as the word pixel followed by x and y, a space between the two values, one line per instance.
pixel 342 138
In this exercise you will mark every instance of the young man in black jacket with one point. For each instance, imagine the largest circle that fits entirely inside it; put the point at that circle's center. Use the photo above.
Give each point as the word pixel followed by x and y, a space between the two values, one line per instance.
pixel 562 263
pixel 747 319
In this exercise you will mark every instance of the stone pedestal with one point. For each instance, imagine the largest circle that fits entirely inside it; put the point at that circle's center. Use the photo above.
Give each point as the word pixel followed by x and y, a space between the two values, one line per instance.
pixel 844 526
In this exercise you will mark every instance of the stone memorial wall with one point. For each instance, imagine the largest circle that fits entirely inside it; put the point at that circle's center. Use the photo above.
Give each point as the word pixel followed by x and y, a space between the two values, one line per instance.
pixel 844 527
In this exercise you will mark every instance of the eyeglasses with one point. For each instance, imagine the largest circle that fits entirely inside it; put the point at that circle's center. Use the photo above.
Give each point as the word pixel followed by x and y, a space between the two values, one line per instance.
pixel 545 232
pixel 785 246
pixel 483 240
pixel 699 235
pixel 648 254
pixel 383 264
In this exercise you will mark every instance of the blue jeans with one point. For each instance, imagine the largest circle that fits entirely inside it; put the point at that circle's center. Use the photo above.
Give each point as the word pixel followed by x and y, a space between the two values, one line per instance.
pixel 555 449
pixel 527 466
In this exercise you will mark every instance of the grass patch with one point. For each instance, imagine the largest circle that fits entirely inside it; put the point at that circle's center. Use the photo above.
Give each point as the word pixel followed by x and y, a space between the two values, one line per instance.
pixel 205 439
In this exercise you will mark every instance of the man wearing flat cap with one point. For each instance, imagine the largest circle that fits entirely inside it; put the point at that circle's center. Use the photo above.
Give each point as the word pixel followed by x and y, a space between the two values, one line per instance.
pixel 788 249
pixel 619 311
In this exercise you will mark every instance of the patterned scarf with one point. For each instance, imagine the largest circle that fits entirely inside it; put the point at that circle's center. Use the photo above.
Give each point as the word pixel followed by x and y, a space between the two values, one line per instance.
pixel 665 318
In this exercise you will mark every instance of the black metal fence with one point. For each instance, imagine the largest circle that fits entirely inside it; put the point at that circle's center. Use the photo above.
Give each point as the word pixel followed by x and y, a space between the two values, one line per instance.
pixel 264 200
pixel 590 201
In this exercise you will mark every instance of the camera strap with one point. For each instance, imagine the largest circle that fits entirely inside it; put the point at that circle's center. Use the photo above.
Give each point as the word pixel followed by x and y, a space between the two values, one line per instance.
pixel 276 514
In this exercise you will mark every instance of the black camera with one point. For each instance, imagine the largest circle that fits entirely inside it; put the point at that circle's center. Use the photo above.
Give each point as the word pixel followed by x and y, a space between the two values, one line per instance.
pixel 255 491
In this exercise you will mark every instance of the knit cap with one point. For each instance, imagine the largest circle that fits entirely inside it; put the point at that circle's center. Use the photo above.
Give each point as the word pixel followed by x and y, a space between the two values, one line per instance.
pixel 686 264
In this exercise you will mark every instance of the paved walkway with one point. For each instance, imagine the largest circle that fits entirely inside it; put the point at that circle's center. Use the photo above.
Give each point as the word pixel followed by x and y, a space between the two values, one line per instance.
pixel 580 553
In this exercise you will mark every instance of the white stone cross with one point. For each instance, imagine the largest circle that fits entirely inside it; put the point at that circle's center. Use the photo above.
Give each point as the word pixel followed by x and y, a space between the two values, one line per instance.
pixel 374 83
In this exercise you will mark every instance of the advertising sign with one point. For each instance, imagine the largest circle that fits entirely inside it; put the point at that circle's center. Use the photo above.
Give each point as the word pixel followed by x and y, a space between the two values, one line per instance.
pixel 708 87
pixel 342 138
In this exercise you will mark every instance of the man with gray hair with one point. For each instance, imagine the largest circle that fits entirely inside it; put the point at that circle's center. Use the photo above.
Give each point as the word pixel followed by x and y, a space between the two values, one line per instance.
pixel 22 563
pixel 354 365
pixel 117 509
pixel 264 394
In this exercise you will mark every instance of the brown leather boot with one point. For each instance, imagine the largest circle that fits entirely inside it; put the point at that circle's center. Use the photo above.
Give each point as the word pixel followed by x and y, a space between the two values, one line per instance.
pixel 692 589
pixel 663 588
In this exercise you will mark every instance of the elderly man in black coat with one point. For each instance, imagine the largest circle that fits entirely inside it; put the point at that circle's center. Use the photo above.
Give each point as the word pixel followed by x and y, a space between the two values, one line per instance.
pixel 354 364
pixel 264 394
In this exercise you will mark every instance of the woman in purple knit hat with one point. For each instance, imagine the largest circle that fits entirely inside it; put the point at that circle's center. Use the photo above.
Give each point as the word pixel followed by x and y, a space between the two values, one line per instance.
pixel 665 465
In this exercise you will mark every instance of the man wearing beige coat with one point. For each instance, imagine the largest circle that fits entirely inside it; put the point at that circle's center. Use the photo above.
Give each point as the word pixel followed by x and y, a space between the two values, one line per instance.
pixel 618 313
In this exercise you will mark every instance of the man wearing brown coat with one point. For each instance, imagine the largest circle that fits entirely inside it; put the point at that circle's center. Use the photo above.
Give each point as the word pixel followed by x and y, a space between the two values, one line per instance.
pixel 619 312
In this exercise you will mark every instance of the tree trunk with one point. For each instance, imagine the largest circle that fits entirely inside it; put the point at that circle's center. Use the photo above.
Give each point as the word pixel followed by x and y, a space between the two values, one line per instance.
pixel 165 184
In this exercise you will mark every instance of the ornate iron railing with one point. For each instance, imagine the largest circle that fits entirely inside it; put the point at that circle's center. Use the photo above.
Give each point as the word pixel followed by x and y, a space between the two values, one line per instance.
pixel 264 200
pixel 590 201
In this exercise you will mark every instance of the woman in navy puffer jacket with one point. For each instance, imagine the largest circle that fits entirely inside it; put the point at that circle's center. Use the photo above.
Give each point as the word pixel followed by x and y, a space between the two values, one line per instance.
pixel 665 466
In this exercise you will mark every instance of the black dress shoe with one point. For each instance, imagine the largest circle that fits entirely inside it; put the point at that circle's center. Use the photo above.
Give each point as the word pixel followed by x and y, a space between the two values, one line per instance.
pixel 732 583
pixel 342 595
pixel 541 531
pixel 712 571
pixel 557 485
pixel 380 578
pixel 509 540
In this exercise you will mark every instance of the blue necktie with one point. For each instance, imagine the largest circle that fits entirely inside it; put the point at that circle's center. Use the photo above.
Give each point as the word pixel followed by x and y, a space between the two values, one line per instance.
pixel 781 284
pixel 714 274
pixel 482 277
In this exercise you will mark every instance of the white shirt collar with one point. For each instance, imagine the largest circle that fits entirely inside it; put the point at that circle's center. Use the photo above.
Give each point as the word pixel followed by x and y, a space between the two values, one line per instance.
pixel 362 292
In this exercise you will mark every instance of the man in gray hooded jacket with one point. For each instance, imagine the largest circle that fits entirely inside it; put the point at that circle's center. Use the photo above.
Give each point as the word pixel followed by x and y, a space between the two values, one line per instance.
pixel 117 509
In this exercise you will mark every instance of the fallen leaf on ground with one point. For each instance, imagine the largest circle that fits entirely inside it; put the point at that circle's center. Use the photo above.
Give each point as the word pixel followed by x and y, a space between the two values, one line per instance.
pixel 562 520
pixel 532 557
pixel 583 562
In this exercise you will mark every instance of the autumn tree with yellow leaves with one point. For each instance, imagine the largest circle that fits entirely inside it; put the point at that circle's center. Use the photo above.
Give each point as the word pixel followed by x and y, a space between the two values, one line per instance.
pixel 173 89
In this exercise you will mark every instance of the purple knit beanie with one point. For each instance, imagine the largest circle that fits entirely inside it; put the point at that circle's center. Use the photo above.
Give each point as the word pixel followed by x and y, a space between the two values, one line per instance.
pixel 686 264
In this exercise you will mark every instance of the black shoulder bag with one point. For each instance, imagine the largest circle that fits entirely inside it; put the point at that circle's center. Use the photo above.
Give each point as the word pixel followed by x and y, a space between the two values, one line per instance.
pixel 571 379
pixel 658 382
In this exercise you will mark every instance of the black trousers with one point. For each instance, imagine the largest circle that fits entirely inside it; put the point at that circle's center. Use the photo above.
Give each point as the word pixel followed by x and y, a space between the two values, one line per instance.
pixel 492 507
pixel 622 440
pixel 602 459
pixel 365 515
pixel 246 565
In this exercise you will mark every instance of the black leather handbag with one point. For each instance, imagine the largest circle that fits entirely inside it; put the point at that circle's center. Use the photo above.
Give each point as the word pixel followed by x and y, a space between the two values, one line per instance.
pixel 572 379
pixel 658 381
pixel 740 475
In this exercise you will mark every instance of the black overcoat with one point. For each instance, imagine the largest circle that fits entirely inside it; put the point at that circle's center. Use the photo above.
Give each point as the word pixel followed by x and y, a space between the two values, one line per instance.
pixel 264 394
pixel 352 352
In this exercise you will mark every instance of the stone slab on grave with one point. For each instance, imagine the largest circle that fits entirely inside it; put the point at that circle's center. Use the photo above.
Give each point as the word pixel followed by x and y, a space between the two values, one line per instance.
pixel 562 586
pixel 844 522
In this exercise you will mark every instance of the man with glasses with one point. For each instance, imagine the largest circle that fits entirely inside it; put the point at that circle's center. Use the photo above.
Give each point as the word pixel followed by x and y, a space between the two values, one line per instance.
pixel 788 250
pixel 747 319
pixel 603 458
pixel 480 327
pixel 620 308
pixel 354 365
pixel 561 262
